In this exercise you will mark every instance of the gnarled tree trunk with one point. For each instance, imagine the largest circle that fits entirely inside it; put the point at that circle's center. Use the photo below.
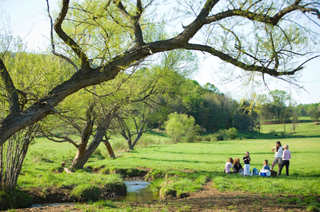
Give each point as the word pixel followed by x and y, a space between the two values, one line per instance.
pixel 85 152
pixel 109 148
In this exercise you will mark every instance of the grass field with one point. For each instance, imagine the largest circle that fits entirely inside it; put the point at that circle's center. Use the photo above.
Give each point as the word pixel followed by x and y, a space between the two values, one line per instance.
pixel 206 159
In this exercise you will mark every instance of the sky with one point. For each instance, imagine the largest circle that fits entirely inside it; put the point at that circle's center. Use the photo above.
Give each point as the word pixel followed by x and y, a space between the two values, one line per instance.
pixel 29 20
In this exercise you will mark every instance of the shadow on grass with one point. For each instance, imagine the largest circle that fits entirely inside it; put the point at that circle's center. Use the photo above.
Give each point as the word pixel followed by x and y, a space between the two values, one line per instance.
pixel 177 161
pixel 161 134
pixel 213 154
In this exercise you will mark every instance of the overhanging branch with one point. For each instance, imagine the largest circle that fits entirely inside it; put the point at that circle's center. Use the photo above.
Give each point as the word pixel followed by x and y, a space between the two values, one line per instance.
pixel 237 63
pixel 67 40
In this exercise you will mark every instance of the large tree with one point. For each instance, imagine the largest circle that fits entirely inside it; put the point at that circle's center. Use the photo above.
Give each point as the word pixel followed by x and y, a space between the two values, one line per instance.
pixel 257 36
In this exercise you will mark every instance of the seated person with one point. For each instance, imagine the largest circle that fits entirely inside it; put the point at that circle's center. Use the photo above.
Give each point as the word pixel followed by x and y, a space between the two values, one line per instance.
pixel 266 165
pixel 237 166
pixel 228 166
pixel 265 171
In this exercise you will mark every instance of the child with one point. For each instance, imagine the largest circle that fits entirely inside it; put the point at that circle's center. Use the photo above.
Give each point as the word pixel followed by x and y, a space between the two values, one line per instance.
pixel 246 160
pixel 228 166
pixel 266 168
pixel 237 166
pixel 266 165
pixel 286 156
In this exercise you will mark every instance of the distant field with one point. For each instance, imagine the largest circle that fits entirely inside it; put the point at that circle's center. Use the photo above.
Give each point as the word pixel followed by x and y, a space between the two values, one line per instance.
pixel 302 129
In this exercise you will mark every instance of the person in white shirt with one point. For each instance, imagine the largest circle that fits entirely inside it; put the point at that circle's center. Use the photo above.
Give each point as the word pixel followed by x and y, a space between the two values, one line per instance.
pixel 278 149
pixel 229 166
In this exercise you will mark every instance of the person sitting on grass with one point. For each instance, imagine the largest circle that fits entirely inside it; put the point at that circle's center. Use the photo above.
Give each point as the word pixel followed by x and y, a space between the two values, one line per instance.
pixel 228 166
pixel 265 169
pixel 286 156
pixel 266 165
pixel 237 166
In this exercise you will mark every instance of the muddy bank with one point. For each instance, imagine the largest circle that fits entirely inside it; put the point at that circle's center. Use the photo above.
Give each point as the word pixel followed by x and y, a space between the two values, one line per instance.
pixel 64 194
pixel 207 199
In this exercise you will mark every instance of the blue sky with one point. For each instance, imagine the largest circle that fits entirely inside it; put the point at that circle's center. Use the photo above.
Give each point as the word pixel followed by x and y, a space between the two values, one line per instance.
pixel 28 19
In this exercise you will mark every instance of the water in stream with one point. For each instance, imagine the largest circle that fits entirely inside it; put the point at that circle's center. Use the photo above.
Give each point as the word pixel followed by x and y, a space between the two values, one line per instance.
pixel 137 191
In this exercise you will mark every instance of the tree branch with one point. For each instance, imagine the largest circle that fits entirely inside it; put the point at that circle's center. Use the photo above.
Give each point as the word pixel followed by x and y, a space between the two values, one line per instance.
pixel 10 88
pixel 53 50
pixel 239 64
pixel 69 41
pixel 273 20
pixel 197 24
pixel 134 19
pixel 62 139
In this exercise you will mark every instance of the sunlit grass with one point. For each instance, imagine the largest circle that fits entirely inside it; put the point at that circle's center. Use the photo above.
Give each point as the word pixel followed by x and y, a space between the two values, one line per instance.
pixel 206 158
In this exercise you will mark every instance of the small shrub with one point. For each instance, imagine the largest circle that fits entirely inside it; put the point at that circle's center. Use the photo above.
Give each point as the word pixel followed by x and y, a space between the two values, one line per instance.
pixel 283 134
pixel 179 125
pixel 232 133
pixel 207 138
pixel 272 132
pixel 199 138
pixel 221 135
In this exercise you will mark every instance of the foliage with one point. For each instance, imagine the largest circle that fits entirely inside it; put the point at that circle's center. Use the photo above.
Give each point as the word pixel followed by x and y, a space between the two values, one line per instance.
pixel 12 155
pixel 179 125
pixel 225 134
pixel 315 115
pixel 14 198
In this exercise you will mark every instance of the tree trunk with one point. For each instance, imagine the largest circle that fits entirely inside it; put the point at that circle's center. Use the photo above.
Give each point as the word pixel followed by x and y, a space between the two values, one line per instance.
pixel 136 140
pixel 83 155
pixel 79 160
pixel 129 141
pixel 110 150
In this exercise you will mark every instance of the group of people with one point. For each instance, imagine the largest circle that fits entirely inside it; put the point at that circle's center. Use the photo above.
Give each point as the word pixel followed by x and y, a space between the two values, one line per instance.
pixel 282 157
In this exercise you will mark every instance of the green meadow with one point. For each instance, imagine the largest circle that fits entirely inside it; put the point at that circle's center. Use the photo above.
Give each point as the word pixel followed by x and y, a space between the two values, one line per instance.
pixel 187 165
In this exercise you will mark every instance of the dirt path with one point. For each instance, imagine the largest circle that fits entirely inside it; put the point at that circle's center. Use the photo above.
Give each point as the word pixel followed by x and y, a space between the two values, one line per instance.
pixel 208 199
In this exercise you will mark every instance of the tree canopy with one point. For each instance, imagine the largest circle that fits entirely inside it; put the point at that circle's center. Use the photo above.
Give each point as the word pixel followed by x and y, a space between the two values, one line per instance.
pixel 100 39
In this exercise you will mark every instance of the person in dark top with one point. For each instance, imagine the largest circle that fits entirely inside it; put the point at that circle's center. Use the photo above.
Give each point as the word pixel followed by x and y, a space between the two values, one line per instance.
pixel 237 166
pixel 246 160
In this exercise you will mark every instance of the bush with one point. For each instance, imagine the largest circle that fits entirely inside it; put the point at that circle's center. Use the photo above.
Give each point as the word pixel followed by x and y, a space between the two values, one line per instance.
pixel 232 133
pixel 273 132
pixel 225 134
pixel 283 134
pixel 208 138
pixel 179 125
pixel 14 199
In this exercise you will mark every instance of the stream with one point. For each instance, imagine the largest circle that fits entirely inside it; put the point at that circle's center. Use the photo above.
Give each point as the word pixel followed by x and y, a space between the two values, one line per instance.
pixel 137 191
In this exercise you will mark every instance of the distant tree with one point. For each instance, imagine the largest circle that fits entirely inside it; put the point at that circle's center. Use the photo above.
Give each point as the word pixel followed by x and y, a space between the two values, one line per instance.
pixel 211 88
pixel 246 116
pixel 279 97
pixel 179 125
pixel 315 115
